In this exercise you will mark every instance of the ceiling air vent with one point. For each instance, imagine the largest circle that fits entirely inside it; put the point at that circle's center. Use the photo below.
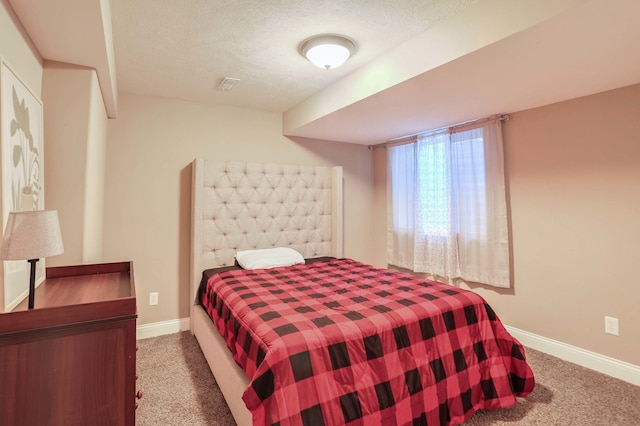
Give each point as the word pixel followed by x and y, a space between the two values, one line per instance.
pixel 227 83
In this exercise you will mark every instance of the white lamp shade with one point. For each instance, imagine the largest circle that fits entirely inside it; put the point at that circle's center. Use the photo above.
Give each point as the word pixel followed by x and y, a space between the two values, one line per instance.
pixel 32 235
pixel 327 51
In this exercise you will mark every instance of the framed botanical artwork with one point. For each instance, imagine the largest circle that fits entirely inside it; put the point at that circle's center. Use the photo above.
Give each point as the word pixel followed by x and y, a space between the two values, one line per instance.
pixel 21 140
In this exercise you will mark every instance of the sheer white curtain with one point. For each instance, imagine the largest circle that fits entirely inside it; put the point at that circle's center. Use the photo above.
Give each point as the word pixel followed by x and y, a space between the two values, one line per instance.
pixel 447 210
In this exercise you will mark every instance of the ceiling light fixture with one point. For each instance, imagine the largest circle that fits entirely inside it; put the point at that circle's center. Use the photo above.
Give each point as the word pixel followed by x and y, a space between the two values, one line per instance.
pixel 327 51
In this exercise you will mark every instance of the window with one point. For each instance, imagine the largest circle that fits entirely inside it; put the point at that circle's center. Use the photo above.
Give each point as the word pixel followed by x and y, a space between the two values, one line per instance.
pixel 447 204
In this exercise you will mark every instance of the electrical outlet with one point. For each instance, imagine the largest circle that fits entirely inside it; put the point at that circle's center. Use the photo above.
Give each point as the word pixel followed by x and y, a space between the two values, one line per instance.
pixel 153 298
pixel 611 326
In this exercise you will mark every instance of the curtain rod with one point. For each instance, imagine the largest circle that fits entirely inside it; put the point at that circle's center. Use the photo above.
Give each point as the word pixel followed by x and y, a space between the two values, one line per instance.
pixel 411 138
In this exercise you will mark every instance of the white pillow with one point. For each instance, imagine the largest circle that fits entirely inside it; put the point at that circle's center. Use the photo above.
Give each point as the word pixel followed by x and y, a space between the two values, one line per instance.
pixel 268 258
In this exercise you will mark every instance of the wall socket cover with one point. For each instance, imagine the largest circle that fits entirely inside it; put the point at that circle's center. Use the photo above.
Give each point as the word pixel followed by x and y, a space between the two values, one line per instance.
pixel 611 326
pixel 153 298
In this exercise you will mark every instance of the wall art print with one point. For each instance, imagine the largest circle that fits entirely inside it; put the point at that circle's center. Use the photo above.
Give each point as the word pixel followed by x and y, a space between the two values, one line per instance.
pixel 22 170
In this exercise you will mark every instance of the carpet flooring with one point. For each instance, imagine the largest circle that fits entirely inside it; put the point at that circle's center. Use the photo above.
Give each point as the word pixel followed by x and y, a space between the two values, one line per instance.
pixel 179 389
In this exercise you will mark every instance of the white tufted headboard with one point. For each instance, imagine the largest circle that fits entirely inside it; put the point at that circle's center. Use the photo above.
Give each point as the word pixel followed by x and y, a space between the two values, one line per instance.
pixel 238 206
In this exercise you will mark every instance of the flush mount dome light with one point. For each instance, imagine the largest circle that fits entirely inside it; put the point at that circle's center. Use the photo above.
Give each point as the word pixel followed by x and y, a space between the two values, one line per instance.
pixel 327 51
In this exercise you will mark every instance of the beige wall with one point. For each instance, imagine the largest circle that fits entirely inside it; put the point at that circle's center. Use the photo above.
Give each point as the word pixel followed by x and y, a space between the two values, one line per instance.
pixel 96 146
pixel 574 176
pixel 17 51
pixel 573 171
pixel 76 133
pixel 148 181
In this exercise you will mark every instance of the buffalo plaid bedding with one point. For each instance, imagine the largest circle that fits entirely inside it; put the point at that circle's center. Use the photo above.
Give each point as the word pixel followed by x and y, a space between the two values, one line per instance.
pixel 341 342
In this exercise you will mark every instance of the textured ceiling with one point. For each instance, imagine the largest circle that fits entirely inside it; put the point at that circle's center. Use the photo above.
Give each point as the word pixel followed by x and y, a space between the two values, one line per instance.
pixel 184 49
pixel 421 64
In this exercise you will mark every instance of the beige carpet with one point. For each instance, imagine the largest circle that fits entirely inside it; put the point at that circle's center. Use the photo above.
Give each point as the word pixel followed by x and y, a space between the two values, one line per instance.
pixel 180 390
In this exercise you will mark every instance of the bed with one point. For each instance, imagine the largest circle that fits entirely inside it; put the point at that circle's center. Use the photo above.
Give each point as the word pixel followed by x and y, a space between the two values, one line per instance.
pixel 331 340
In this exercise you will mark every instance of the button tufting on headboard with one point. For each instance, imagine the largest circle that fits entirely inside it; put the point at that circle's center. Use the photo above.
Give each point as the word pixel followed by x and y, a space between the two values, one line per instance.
pixel 255 205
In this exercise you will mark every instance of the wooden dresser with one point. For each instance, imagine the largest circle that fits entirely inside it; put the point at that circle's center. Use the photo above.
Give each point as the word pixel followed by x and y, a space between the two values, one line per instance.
pixel 72 359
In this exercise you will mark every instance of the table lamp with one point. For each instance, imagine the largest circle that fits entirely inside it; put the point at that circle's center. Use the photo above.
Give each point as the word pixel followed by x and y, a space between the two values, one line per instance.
pixel 31 235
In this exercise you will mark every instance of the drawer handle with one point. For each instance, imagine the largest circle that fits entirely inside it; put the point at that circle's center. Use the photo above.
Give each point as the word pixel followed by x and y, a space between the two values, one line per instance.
pixel 139 394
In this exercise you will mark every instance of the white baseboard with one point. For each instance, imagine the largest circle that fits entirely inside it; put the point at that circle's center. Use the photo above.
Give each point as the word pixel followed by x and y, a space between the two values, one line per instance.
pixel 160 328
pixel 600 363
pixel 594 361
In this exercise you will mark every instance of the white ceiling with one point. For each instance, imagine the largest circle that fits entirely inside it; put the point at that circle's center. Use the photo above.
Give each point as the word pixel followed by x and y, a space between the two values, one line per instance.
pixel 421 63
pixel 587 49
pixel 184 51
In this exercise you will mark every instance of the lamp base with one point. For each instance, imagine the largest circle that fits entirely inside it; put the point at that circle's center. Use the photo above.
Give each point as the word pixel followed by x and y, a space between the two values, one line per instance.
pixel 32 282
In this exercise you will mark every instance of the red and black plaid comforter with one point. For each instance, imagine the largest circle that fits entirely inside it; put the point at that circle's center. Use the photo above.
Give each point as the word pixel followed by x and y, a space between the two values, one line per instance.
pixel 342 342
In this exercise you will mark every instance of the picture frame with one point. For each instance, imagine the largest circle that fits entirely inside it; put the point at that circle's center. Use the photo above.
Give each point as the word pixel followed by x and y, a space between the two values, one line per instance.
pixel 22 161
